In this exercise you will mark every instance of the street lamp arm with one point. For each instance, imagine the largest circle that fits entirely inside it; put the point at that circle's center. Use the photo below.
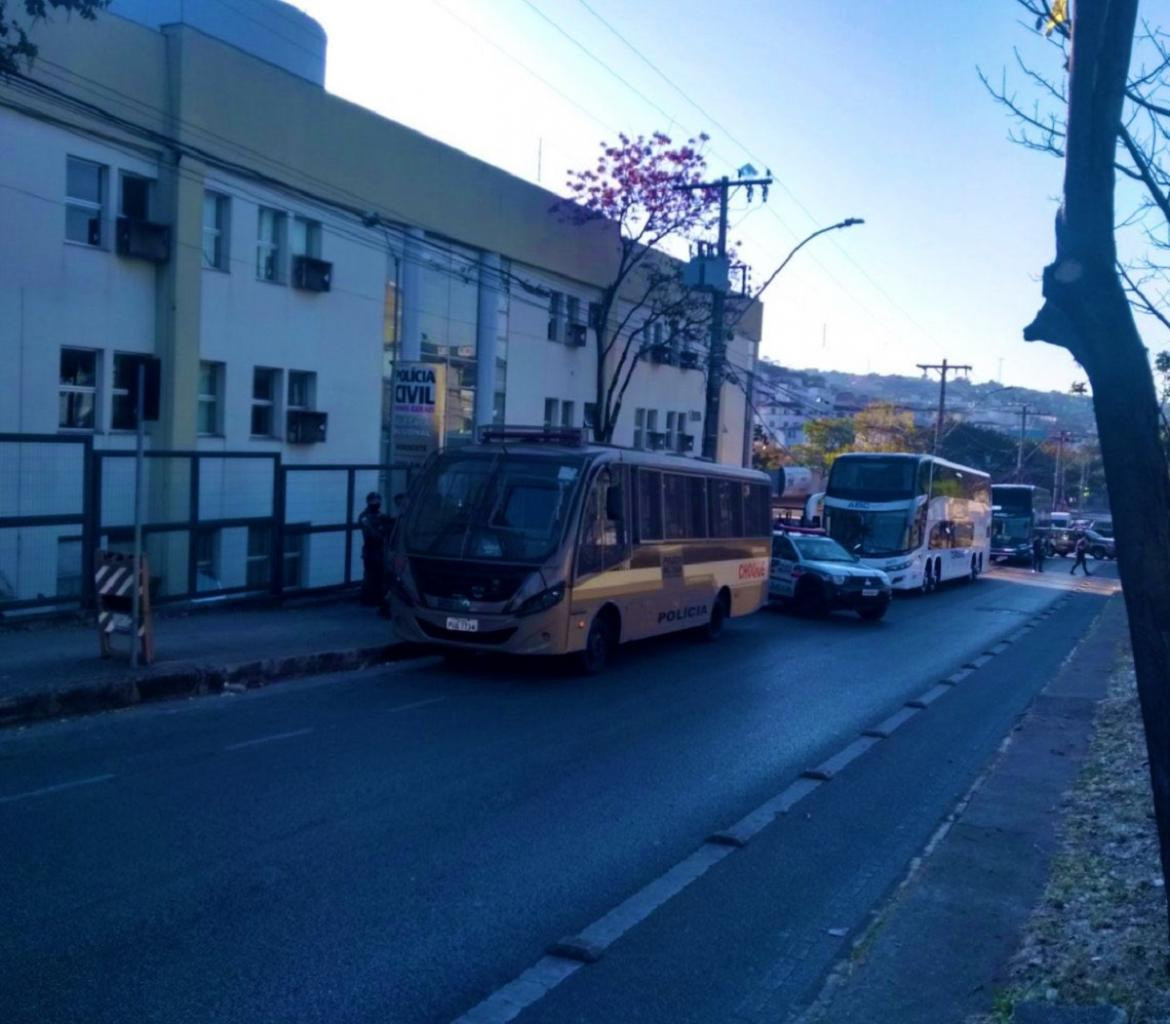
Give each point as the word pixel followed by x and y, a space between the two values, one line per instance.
pixel 848 222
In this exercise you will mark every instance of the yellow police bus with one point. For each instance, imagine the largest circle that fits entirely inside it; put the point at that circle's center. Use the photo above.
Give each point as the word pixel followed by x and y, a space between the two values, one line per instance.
pixel 534 541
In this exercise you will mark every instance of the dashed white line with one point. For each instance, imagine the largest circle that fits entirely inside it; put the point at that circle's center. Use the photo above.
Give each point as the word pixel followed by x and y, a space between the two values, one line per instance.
pixel 46 790
pixel 268 739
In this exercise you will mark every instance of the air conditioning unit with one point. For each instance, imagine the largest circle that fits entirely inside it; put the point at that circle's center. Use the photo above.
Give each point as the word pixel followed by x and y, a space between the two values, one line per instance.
pixel 686 442
pixel 306 426
pixel 661 353
pixel 657 440
pixel 311 274
pixel 688 359
pixel 575 335
pixel 142 240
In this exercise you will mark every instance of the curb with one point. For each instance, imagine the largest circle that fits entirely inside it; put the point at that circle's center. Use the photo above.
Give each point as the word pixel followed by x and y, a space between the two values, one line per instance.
pixel 192 679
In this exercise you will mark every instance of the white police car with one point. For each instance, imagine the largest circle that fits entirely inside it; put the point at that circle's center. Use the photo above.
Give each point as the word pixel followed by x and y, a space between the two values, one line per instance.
pixel 813 573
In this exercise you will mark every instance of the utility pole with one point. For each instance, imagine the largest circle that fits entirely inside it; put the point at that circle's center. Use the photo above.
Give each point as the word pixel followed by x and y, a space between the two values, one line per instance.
pixel 944 368
pixel 718 287
pixel 1020 446
pixel 1057 473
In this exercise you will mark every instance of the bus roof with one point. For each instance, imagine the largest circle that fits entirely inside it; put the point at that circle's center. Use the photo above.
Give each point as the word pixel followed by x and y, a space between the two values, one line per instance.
pixel 917 456
pixel 591 451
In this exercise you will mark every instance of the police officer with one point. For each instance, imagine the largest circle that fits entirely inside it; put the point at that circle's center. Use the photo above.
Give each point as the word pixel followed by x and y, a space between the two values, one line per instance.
pixel 374 533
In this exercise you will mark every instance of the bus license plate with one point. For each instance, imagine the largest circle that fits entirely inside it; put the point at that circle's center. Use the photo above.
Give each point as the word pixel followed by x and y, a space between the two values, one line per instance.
pixel 462 625
pixel 869 593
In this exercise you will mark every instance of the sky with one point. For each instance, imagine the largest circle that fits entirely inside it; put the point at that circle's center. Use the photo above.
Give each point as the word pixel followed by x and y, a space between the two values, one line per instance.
pixel 865 108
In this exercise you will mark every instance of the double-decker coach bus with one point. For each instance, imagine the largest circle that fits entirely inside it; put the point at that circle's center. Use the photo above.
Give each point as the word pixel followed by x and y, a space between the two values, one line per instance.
pixel 1018 513
pixel 535 542
pixel 919 518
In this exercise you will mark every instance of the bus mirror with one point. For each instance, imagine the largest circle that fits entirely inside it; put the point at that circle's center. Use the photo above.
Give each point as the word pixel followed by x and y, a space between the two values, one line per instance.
pixel 614 505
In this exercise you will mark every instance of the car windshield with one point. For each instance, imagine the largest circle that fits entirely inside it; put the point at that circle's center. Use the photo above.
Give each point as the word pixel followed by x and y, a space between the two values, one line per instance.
pixel 1012 529
pixel 871 533
pixel 492 507
pixel 822 549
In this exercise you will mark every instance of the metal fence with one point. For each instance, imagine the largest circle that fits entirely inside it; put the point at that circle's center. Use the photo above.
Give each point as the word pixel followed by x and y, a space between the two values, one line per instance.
pixel 217 525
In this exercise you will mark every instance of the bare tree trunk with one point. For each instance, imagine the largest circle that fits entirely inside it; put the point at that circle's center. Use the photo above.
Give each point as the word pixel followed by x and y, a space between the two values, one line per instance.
pixel 1086 311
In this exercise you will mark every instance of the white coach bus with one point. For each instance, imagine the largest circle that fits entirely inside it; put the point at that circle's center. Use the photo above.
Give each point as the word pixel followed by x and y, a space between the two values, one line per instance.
pixel 536 542
pixel 919 518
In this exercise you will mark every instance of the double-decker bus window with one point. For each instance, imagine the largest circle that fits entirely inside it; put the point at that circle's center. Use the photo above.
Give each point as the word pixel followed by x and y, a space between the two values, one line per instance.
pixel 726 508
pixel 877 478
pixel 942 535
pixel 649 497
pixel 676 510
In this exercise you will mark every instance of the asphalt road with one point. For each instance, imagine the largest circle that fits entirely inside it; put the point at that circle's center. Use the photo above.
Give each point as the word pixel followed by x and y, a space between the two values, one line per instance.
pixel 397 844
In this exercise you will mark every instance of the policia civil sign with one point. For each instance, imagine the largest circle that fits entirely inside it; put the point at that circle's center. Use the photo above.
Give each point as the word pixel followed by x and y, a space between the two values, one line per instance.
pixel 416 413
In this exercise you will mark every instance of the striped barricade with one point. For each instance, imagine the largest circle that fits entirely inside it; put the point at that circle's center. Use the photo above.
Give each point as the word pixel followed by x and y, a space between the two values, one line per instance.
pixel 113 585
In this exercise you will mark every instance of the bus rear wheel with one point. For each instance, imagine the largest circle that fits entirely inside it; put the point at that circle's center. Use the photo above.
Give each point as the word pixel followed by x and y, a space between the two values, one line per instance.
pixel 714 626
pixel 927 578
pixel 599 647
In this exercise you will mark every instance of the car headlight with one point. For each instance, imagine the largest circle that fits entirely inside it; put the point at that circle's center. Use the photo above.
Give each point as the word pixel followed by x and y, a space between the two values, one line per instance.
pixel 838 580
pixel 543 601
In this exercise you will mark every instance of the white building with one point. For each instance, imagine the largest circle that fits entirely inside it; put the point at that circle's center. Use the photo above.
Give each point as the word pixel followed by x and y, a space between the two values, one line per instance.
pixel 178 184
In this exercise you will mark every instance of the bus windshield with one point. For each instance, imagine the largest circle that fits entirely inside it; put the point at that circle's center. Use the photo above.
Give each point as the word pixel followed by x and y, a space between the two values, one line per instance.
pixel 871 533
pixel 492 507
pixel 1012 529
pixel 874 478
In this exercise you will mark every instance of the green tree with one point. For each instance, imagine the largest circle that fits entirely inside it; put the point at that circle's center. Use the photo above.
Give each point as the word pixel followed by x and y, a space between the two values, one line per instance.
pixel 16 48
pixel 824 441
pixel 885 427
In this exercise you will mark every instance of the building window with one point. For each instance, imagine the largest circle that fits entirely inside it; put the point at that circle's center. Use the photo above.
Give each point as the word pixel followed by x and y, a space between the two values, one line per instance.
pixel 135 198
pixel 210 389
pixel 259 559
pixel 77 389
pixel 270 245
pixel 306 237
pixel 639 427
pixel 652 438
pixel 552 408
pixel 573 309
pixel 302 389
pixel 265 388
pixel 555 305
pixel 294 559
pixel 590 414
pixel 215 231
pixel 85 189
pixel 670 421
pixel 123 415
pixel 68 566
pixel 207 560
pixel 568 412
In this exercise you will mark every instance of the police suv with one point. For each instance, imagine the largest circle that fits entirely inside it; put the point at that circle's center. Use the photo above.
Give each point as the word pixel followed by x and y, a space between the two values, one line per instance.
pixel 812 573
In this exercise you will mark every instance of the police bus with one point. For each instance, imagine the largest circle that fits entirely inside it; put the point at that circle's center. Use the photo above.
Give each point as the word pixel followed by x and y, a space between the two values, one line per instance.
pixel 533 541
pixel 919 518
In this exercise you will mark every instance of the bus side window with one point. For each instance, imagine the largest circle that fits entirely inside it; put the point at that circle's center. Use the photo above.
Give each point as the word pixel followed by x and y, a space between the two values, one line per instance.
pixel 941 535
pixel 603 525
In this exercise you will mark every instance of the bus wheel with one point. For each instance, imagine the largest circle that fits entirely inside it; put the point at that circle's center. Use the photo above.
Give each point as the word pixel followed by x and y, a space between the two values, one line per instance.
pixel 714 626
pixel 599 646
pixel 974 569
pixel 927 578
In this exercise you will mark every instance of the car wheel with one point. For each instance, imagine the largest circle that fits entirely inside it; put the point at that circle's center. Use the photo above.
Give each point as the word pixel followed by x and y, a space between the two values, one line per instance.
pixel 1098 553
pixel 599 647
pixel 810 600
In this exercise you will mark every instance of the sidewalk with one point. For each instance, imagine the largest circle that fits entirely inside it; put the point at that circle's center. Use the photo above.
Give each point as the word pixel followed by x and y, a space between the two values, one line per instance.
pixel 53 669
pixel 937 952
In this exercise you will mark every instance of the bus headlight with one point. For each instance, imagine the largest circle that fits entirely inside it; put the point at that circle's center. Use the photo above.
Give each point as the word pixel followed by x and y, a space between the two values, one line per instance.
pixel 543 601
pixel 898 566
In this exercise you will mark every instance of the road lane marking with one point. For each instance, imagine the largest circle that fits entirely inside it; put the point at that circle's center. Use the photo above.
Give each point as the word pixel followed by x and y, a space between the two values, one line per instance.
pixel 46 790
pixel 415 704
pixel 268 739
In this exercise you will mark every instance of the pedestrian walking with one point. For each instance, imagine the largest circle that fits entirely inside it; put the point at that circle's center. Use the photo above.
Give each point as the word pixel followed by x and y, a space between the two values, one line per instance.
pixel 374 533
pixel 1081 550
pixel 1037 553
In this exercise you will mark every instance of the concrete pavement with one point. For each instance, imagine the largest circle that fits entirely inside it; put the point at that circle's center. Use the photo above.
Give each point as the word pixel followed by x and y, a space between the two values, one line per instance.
pixel 397 844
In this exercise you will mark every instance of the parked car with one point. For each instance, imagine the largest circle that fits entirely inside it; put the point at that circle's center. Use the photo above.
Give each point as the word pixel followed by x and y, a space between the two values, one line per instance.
pixel 1101 545
pixel 1060 541
pixel 814 574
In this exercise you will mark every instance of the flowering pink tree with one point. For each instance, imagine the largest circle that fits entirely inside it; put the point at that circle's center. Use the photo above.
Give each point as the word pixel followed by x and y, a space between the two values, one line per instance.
pixel 635 186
